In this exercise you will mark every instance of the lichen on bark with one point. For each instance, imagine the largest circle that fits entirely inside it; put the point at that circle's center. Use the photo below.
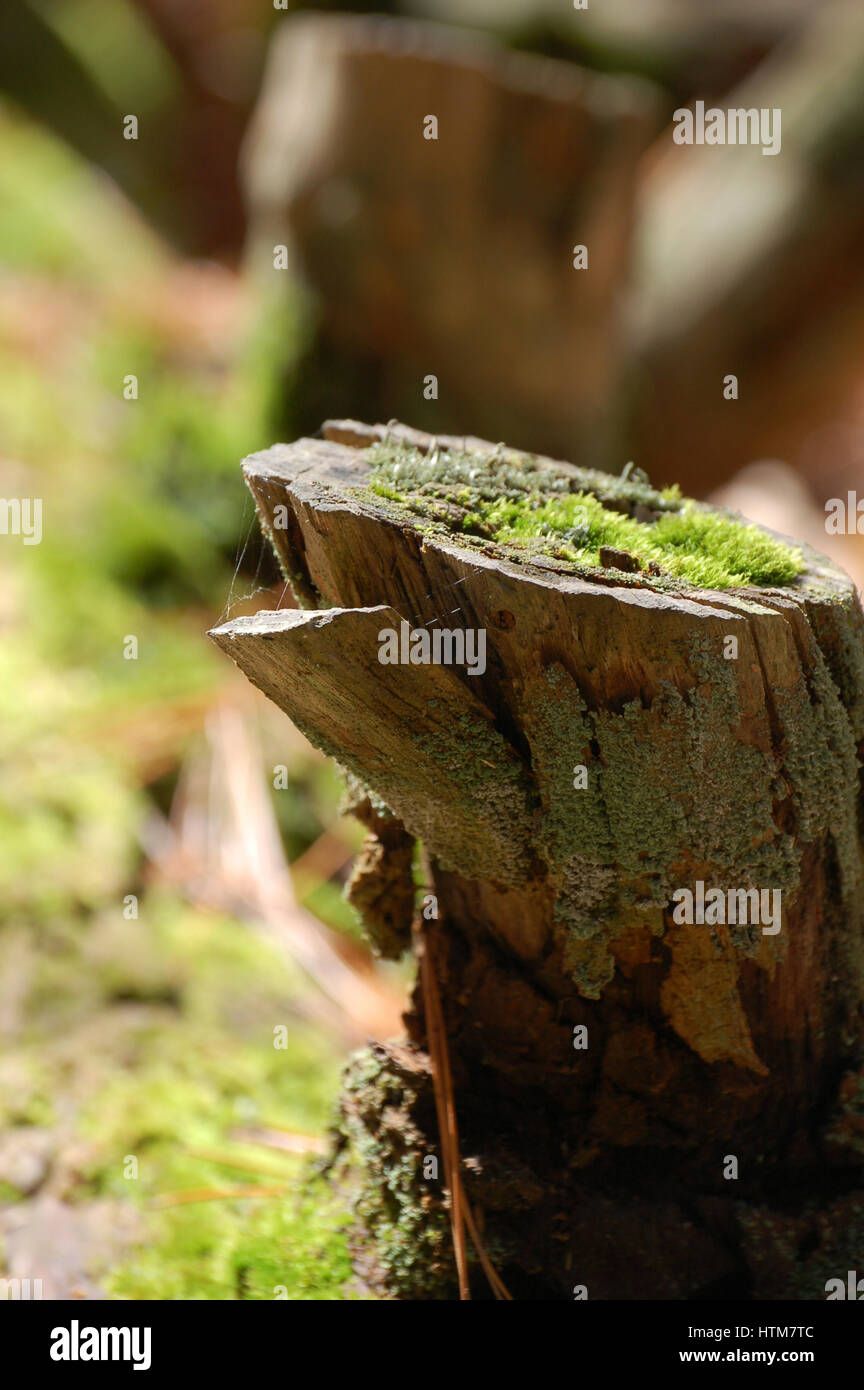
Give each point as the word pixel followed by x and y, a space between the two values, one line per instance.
pixel 402 1240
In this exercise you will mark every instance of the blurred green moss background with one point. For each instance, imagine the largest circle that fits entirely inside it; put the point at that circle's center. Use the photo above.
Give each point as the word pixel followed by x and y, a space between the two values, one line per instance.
pixel 150 1037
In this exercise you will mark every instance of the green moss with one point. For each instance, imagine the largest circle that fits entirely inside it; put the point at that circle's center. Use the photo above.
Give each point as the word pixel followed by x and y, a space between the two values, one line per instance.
pixel 290 1247
pixel 514 500
pixel 67 814
pixel 157 1036
pixel 146 1037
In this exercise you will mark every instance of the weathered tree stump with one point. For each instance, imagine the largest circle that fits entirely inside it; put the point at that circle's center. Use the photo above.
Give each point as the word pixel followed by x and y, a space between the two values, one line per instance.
pixel 433 251
pixel 643 1100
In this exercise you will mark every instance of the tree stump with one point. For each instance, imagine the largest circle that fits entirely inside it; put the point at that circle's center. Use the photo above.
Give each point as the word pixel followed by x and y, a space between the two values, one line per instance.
pixel 648 1084
pixel 432 187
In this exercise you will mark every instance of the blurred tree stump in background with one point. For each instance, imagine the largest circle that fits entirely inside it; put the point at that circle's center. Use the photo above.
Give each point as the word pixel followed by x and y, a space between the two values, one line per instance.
pixel 609 1061
pixel 450 257
pixel 751 265
pixel 441 270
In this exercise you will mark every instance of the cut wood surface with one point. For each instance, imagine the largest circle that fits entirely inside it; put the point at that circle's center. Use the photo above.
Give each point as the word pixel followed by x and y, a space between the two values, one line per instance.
pixel 555 899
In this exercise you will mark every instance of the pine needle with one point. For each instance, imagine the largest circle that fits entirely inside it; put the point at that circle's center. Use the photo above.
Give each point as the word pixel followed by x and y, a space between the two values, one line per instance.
pixel 216 1194
pixel 443 1086
pixel 461 1216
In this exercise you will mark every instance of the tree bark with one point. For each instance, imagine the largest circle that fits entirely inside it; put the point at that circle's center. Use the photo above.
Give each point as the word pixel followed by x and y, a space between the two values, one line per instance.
pixel 599 1160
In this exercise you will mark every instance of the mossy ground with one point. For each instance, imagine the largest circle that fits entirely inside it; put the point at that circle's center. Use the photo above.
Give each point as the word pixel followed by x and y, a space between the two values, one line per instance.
pixel 153 1040
pixel 151 1037
pixel 514 501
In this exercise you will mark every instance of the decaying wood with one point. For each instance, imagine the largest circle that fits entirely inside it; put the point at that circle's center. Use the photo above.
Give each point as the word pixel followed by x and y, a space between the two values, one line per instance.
pixel 381 888
pixel 601 1166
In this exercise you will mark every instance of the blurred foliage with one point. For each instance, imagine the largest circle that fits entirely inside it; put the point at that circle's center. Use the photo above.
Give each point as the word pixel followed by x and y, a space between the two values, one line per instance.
pixel 295 1245
pixel 119 50
pixel 150 1037
pixel 154 1039
pixel 143 497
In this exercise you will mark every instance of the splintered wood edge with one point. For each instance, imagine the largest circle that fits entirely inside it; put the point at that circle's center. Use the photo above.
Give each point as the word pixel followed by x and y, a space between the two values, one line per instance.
pixel 429 742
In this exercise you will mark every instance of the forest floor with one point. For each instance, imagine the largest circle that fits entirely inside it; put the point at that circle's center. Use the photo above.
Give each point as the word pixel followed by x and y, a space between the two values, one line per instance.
pixel 155 1142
